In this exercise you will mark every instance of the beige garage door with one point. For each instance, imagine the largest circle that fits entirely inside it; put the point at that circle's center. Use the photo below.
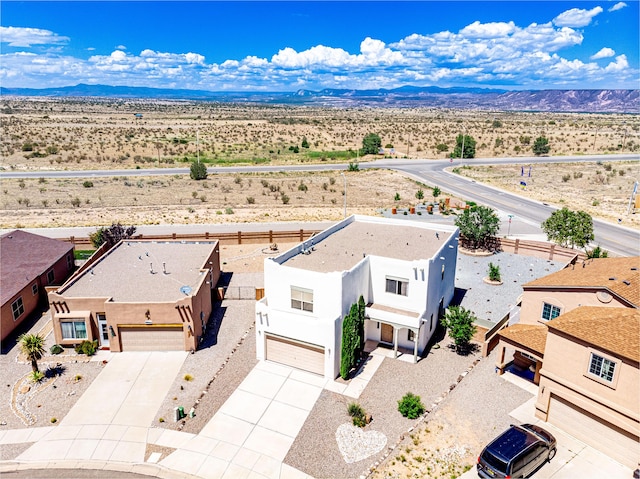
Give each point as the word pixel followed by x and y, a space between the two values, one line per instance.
pixel 308 357
pixel 594 431
pixel 152 339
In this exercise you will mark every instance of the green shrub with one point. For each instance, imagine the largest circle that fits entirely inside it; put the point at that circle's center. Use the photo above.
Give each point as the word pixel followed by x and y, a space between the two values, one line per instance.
pixel 36 376
pixel 53 420
pixel 87 347
pixel 56 349
pixel 494 272
pixel 359 417
pixel 198 171
pixel 188 377
pixel 88 184
pixel 410 406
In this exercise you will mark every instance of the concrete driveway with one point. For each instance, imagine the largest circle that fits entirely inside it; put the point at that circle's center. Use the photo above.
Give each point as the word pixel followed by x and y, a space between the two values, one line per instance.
pixel 110 420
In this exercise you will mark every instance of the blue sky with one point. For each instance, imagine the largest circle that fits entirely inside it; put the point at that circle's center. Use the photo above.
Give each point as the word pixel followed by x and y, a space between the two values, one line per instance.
pixel 291 45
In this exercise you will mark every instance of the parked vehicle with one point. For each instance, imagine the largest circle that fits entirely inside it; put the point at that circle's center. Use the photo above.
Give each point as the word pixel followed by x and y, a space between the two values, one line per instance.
pixel 517 452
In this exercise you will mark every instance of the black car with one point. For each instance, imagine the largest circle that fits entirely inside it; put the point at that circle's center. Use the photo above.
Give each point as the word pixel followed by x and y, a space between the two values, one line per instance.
pixel 517 452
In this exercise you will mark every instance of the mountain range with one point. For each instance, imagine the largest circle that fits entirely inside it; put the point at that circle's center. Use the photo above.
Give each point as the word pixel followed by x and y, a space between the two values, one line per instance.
pixel 591 101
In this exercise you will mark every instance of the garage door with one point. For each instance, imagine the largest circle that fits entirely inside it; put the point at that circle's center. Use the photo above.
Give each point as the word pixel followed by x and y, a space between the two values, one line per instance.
pixel 308 357
pixel 594 431
pixel 152 339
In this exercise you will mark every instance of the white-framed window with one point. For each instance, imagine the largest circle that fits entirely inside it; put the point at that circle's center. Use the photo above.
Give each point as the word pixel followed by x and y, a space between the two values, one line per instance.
pixel 73 329
pixel 17 308
pixel 397 286
pixel 50 276
pixel 602 368
pixel 549 311
pixel 34 288
pixel 302 299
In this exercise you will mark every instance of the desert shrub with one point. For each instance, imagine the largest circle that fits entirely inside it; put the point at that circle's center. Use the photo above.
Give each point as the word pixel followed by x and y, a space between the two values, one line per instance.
pixel 302 187
pixel 358 414
pixel 87 347
pixel 410 406
pixel 56 349
pixel 251 200
pixel 494 272
pixel 188 377
pixel 397 197
pixel 36 376
pixel 285 199
pixel 228 211
pixel 88 184
pixel 198 171
pixel 566 178
pixel 353 167
pixel 420 194
pixel 53 420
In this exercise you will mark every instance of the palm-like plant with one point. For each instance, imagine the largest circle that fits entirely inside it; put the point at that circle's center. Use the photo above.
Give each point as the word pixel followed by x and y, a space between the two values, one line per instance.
pixel 32 345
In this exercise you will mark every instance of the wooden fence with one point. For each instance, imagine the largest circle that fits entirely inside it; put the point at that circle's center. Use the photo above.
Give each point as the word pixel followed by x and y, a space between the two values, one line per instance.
pixel 240 237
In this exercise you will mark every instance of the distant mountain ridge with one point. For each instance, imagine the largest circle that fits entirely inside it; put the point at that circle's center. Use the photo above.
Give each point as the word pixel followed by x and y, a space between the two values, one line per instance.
pixel 591 101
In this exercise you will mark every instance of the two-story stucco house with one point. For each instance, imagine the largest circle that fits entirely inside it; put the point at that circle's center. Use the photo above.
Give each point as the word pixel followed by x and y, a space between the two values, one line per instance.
pixel 140 296
pixel 580 332
pixel 405 271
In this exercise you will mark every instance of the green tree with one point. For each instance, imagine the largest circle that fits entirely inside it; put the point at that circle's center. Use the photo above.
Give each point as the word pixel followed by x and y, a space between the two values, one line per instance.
pixel 371 144
pixel 419 194
pixel 436 192
pixel 198 171
pixel 32 345
pixel 111 234
pixel 597 252
pixel 541 146
pixel 478 225
pixel 569 228
pixel 469 150
pixel 460 325
pixel 348 345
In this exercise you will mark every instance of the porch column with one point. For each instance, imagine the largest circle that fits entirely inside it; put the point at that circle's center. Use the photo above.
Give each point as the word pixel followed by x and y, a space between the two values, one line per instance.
pixel 536 376
pixel 415 345
pixel 395 342
pixel 500 364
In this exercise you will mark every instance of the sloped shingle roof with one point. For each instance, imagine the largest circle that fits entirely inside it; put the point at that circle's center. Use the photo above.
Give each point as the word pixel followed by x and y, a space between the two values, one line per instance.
pixel 531 336
pixel 25 256
pixel 620 276
pixel 616 330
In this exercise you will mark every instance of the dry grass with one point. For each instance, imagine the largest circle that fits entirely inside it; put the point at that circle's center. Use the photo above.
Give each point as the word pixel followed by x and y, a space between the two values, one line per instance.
pixel 104 134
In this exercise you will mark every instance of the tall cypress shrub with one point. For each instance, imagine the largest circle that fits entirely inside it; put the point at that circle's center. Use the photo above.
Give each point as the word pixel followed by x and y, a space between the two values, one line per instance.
pixel 346 357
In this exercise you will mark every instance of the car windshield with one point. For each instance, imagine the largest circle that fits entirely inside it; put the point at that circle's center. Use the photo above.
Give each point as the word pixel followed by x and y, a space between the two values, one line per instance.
pixel 495 463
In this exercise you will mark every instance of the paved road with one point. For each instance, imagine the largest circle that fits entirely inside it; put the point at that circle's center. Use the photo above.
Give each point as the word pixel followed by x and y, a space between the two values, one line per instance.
pixel 615 238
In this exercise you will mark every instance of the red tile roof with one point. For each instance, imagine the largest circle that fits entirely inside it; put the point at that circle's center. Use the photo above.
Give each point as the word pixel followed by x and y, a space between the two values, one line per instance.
pixel 619 276
pixel 616 330
pixel 25 256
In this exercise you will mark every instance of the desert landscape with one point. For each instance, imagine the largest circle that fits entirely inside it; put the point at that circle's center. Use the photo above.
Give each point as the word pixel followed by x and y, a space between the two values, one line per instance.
pixel 73 134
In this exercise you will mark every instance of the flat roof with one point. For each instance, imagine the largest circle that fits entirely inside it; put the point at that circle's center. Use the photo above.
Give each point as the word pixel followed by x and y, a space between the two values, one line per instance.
pixel 124 273
pixel 346 247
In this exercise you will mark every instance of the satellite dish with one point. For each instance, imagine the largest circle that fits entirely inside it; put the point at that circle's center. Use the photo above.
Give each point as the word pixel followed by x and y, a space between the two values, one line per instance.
pixel 186 290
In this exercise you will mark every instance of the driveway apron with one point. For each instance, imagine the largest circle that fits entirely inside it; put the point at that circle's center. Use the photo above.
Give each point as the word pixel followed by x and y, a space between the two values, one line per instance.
pixel 111 419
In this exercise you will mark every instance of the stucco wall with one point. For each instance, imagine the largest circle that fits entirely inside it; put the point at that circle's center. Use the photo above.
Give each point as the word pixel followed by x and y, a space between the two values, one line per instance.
pixel 567 300
pixel 565 374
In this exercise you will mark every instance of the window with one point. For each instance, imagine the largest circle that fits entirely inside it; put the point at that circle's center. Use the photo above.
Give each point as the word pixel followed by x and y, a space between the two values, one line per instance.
pixel 602 367
pixel 69 262
pixel 302 299
pixel 17 308
pixel 34 288
pixel 75 329
pixel 549 311
pixel 397 286
pixel 50 277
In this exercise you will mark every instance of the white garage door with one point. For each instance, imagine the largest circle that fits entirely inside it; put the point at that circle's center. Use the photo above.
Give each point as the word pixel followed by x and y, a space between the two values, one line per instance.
pixel 308 357
pixel 152 339
pixel 594 431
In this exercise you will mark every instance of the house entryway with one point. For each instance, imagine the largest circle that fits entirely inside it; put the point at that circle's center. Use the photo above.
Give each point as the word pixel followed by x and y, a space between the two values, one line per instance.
pixel 103 330
pixel 297 354
pixel 386 333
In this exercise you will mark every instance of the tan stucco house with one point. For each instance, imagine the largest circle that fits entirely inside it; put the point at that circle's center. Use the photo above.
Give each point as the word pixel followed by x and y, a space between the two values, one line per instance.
pixel 28 264
pixel 579 332
pixel 140 296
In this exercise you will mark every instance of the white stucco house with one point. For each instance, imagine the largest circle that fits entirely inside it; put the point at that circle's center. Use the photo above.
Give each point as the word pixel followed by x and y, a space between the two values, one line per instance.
pixel 405 271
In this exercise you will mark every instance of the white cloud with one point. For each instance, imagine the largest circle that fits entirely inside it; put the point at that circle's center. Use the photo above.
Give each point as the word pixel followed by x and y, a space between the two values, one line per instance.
pixel 121 47
pixel 26 37
pixel 576 17
pixel 617 6
pixel 606 52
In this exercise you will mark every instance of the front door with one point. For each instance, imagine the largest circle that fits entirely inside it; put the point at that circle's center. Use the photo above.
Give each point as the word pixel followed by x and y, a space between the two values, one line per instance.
pixel 104 330
pixel 386 333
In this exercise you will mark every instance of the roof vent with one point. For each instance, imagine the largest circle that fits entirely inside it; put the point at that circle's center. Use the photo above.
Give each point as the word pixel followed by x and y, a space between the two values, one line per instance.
pixel 612 278
pixel 633 268
pixel 627 282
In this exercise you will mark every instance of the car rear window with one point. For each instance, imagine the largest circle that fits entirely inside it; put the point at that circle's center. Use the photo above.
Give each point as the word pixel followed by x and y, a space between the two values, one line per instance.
pixel 497 464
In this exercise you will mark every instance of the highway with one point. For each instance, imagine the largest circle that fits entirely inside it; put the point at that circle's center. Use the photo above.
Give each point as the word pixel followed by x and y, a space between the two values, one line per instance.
pixel 615 238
